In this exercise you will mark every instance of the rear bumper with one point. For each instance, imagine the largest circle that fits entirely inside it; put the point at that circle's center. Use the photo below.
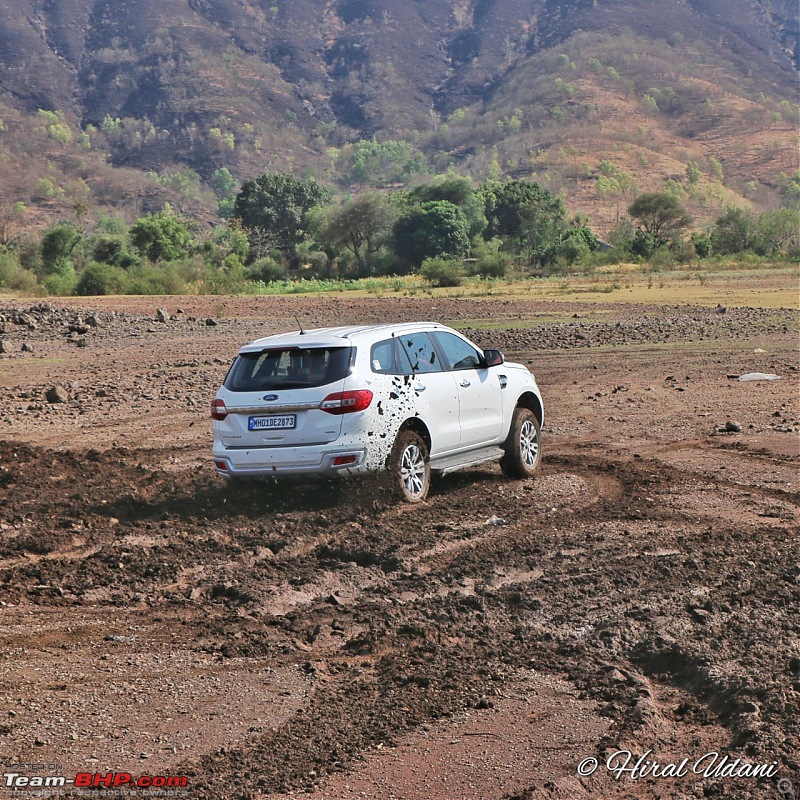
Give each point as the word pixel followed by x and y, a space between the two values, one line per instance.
pixel 275 461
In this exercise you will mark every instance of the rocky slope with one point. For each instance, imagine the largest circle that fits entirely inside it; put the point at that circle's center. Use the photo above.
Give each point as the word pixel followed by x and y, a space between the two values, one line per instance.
pixel 211 83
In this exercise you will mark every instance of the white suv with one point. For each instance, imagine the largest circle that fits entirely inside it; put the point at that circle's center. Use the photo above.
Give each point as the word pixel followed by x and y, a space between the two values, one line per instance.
pixel 413 398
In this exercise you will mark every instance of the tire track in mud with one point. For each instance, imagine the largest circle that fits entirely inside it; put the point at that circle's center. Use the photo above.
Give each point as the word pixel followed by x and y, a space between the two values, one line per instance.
pixel 703 691
pixel 401 615
pixel 661 588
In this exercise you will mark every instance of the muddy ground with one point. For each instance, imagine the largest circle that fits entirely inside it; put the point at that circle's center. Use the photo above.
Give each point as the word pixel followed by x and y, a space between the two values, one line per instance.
pixel 320 641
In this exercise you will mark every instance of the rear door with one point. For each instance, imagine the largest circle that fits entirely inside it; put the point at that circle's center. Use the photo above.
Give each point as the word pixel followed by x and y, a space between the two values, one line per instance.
pixel 435 391
pixel 273 397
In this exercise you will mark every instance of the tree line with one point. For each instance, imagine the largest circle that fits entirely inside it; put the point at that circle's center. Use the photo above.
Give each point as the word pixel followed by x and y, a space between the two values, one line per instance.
pixel 284 227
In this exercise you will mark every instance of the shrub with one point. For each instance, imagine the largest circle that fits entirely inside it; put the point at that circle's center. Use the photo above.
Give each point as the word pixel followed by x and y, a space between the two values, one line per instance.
pixel 576 244
pixel 490 262
pixel 63 282
pixel 683 251
pixel 267 270
pixel 161 237
pixel 702 244
pixel 225 207
pixel 492 265
pixel 113 249
pixel 115 226
pixel 318 262
pixel 150 279
pixel 643 244
pixel 571 250
pixel 14 276
pixel 387 263
pixel 442 271
pixel 100 279
pixel 663 258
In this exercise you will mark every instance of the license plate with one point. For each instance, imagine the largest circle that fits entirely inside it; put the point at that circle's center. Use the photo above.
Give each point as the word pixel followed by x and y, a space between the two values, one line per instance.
pixel 272 423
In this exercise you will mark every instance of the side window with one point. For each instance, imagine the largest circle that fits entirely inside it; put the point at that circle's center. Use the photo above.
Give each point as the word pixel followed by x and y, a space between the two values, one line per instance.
pixel 381 357
pixel 418 353
pixel 458 354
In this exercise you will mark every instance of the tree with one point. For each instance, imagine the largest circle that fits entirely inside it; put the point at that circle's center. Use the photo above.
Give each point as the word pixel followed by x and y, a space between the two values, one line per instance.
pixel 513 206
pixel 223 183
pixel 109 248
pixel 791 189
pixel 779 230
pixel 661 216
pixel 576 243
pixel 734 232
pixel 162 236
pixel 362 226
pixel 275 206
pixel 58 244
pixel 382 163
pixel 226 246
pixel 457 190
pixel 11 217
pixel 184 181
pixel 527 216
pixel 431 229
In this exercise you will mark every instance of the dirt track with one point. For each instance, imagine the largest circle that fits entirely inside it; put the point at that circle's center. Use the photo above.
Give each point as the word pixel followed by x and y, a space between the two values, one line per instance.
pixel 641 594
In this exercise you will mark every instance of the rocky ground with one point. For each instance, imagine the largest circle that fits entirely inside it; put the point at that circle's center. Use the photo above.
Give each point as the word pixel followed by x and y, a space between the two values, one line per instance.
pixel 320 641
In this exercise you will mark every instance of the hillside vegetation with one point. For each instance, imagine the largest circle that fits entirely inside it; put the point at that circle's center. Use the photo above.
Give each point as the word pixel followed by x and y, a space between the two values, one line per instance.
pixel 120 107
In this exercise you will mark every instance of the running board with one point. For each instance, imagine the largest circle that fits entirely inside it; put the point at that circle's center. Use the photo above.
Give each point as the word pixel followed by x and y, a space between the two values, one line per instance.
pixel 470 459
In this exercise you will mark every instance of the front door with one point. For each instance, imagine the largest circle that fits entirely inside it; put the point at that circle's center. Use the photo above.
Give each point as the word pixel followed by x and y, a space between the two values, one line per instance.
pixel 479 393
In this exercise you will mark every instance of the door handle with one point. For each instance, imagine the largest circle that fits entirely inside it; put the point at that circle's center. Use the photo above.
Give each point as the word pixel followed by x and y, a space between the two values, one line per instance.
pixel 419 387
pixel 465 383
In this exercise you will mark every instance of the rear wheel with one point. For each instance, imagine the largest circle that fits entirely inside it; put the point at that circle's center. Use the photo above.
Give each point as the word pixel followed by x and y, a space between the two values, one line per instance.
pixel 409 466
pixel 523 446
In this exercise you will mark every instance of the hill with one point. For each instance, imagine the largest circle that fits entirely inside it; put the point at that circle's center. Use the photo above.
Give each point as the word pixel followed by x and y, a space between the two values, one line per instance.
pixel 126 104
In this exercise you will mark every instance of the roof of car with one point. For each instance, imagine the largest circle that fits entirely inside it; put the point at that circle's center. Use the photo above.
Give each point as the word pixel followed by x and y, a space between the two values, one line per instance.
pixel 336 337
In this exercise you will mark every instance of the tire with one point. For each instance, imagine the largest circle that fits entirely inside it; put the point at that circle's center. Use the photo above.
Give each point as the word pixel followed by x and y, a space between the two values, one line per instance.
pixel 410 467
pixel 523 446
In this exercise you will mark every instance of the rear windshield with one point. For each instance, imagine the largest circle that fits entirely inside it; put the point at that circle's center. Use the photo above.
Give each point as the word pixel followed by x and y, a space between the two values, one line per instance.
pixel 288 368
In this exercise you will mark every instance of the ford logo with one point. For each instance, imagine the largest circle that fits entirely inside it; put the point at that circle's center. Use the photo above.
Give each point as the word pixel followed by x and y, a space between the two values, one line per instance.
pixel 270 397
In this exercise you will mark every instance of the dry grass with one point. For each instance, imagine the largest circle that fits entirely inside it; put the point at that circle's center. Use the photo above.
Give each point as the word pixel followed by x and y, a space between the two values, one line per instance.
pixel 733 285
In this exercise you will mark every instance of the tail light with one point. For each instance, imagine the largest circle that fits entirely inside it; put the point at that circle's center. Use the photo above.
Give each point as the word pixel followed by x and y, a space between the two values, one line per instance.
pixel 218 410
pixel 347 402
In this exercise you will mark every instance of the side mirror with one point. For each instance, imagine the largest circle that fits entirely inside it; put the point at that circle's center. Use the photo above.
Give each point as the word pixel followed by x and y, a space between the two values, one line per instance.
pixel 493 358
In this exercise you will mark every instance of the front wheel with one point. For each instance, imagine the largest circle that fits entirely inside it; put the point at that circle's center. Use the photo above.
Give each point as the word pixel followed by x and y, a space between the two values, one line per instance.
pixel 523 450
pixel 410 467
